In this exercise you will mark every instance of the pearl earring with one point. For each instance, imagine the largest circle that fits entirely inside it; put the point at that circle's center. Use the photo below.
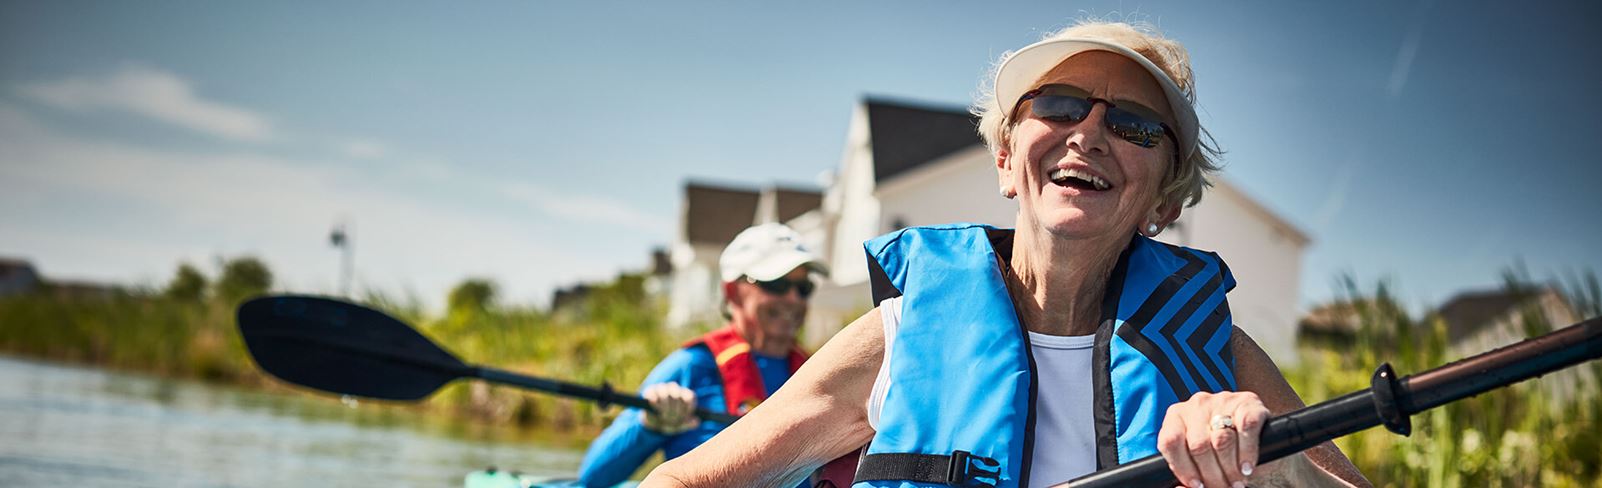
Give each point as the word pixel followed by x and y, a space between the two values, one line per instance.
pixel 1151 228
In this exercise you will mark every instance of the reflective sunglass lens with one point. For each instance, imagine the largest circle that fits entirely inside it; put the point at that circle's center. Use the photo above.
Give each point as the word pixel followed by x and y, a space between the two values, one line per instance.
pixel 1061 108
pixel 1127 125
pixel 780 287
pixel 1134 128
pixel 774 287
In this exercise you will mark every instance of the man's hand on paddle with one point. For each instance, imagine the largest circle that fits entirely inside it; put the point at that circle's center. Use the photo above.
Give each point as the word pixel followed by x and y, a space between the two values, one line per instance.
pixel 1212 438
pixel 674 407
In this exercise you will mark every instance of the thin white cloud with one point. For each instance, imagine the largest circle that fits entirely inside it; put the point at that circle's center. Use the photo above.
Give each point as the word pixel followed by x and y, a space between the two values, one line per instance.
pixel 1408 52
pixel 1404 62
pixel 566 206
pixel 365 149
pixel 189 206
pixel 584 208
pixel 156 94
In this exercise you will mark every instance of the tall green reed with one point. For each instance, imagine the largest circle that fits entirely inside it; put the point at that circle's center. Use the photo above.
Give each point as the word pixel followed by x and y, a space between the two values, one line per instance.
pixel 1529 434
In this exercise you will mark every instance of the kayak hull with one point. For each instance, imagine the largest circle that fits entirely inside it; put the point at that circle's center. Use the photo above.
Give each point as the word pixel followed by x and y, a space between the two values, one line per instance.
pixel 492 478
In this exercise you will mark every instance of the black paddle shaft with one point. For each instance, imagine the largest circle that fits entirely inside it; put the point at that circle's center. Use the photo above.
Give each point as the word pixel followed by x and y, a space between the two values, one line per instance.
pixel 603 395
pixel 348 349
pixel 1388 401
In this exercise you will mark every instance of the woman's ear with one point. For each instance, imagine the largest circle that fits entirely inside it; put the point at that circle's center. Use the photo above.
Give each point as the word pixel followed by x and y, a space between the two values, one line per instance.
pixel 1158 219
pixel 1004 173
pixel 1165 214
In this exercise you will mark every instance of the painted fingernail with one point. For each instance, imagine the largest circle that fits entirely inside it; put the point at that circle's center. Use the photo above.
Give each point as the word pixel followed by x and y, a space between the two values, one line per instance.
pixel 1246 469
pixel 1197 483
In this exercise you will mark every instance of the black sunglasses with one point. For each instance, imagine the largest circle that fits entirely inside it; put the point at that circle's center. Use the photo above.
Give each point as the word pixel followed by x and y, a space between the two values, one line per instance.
pixel 782 286
pixel 1064 103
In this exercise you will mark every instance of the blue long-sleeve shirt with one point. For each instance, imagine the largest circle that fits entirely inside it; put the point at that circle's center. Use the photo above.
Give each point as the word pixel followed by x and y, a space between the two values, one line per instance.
pixel 624 445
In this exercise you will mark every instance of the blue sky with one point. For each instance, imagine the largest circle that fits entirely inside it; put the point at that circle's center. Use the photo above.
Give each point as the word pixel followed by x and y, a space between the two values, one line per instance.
pixel 542 143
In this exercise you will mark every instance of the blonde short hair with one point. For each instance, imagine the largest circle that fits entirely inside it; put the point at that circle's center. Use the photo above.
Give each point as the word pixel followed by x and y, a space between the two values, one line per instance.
pixel 1185 182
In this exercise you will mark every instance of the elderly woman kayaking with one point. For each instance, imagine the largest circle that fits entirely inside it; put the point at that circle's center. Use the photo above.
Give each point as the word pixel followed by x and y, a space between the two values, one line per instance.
pixel 1032 356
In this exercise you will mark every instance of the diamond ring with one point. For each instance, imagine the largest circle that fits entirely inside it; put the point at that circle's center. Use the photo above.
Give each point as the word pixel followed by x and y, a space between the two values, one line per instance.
pixel 1221 422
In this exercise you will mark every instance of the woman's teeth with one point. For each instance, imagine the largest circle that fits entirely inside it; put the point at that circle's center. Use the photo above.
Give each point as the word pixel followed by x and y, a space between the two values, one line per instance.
pixel 1076 178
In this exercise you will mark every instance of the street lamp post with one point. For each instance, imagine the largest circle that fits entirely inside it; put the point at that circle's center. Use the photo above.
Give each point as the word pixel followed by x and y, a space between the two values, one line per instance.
pixel 340 238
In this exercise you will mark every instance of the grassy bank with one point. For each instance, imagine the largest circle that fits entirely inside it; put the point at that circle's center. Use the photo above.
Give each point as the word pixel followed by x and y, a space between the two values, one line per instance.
pixel 1544 432
pixel 612 335
pixel 153 334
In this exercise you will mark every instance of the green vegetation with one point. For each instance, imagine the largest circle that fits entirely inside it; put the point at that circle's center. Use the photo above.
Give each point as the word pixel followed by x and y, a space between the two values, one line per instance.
pixel 613 335
pixel 1539 433
pixel 187 330
pixel 182 331
pixel 1545 432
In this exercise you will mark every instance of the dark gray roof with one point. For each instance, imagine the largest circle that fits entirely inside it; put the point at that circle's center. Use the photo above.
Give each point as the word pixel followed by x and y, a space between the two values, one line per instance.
pixel 661 264
pixel 10 265
pixel 570 296
pixel 792 202
pixel 908 134
pixel 1469 312
pixel 714 214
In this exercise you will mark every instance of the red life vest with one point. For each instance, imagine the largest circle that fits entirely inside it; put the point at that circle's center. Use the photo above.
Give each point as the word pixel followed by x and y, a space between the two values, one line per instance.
pixel 742 381
pixel 743 389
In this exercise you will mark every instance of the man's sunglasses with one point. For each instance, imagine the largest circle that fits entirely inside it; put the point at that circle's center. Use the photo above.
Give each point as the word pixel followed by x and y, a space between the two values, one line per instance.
pixel 782 286
pixel 1063 103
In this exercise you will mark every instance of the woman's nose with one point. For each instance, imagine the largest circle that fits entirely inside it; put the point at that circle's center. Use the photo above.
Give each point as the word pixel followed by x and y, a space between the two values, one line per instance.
pixel 1090 135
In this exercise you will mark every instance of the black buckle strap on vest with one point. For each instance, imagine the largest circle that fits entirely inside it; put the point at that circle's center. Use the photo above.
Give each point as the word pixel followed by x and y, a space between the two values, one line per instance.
pixel 961 469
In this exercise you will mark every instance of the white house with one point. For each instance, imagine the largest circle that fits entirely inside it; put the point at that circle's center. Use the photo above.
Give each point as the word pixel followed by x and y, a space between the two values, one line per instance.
pixel 908 163
pixel 710 216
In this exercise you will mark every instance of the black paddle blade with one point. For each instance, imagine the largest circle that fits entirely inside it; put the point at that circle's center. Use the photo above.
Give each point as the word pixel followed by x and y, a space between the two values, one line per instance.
pixel 343 348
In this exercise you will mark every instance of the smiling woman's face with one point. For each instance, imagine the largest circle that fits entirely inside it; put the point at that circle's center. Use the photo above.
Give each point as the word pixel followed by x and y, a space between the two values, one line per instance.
pixel 1045 160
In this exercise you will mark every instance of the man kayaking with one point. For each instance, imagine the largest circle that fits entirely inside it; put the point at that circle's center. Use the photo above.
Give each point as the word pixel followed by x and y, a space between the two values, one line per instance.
pixel 765 283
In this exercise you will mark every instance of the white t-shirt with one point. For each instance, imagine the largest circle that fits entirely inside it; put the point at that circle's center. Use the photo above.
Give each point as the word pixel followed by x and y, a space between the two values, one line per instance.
pixel 1065 431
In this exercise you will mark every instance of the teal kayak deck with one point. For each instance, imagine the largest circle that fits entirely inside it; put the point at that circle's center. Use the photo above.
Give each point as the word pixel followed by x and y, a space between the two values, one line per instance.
pixel 493 478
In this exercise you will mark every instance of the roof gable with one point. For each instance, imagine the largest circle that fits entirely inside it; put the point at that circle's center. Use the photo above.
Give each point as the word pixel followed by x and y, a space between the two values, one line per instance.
pixel 1469 312
pixel 792 202
pixel 715 214
pixel 905 135
pixel 18 267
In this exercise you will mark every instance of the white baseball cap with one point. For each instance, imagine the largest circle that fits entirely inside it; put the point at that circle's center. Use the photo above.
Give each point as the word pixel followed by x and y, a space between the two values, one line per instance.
pixel 766 252
pixel 1020 71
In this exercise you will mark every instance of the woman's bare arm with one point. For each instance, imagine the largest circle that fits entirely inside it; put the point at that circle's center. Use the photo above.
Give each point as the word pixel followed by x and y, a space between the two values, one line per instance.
pixel 820 414
pixel 1256 372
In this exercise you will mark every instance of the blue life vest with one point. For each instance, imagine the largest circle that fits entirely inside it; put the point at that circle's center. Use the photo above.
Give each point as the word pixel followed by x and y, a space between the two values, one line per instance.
pixel 961 412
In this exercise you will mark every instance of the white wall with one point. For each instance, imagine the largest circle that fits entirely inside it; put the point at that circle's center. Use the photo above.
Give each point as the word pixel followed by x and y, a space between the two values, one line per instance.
pixel 960 187
pixel 939 192
pixel 851 202
pixel 831 308
pixel 695 295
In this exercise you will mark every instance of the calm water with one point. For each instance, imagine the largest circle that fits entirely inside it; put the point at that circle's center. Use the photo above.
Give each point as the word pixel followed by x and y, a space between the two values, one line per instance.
pixel 63 426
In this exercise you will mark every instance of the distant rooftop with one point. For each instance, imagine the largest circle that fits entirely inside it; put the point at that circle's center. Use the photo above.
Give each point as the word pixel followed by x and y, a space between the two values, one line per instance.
pixel 792 202
pixel 906 134
pixel 714 214
pixel 13 265
pixel 1470 311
